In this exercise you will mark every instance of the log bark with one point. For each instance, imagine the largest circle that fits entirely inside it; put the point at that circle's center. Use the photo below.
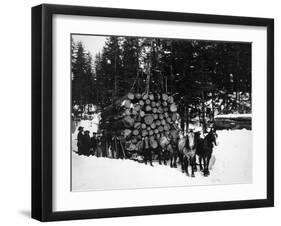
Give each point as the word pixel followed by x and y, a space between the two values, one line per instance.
pixel 164 97
pixel 131 96
pixel 151 96
pixel 138 96
pixel 164 141
pixel 173 107
pixel 144 133
pixel 166 127
pixel 154 144
pixel 127 103
pixel 127 132
pixel 155 116
pixel 170 100
pixel 148 108
pixel 158 122
pixel 174 134
pixel 145 96
pixel 148 119
pixel 174 116
pixel 142 114
pixel 135 132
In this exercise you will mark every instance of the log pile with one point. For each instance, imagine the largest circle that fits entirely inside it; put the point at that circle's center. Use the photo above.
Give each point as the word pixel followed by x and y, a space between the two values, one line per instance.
pixel 136 116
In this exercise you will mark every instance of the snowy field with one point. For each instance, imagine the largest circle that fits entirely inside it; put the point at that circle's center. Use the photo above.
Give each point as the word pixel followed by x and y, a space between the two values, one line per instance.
pixel 231 163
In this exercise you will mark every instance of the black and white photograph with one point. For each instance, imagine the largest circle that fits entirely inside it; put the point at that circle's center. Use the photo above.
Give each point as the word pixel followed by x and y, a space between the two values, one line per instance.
pixel 150 112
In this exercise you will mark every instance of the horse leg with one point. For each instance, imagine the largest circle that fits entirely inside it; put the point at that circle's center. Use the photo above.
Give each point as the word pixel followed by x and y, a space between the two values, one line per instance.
pixel 160 157
pixel 207 165
pixel 187 164
pixel 171 159
pixel 145 158
pixel 183 165
pixel 175 160
pixel 165 157
pixel 150 157
pixel 194 169
pixel 200 163
pixel 181 162
pixel 204 164
pixel 195 166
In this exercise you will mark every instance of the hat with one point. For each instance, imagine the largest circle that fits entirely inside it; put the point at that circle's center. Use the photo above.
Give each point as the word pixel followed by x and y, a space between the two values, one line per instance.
pixel 80 128
pixel 87 131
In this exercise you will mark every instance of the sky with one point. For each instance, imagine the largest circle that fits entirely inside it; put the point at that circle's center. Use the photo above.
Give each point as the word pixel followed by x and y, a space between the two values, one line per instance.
pixel 92 43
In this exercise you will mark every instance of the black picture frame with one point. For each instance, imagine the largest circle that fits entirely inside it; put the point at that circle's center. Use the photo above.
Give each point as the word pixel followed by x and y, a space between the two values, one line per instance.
pixel 42 111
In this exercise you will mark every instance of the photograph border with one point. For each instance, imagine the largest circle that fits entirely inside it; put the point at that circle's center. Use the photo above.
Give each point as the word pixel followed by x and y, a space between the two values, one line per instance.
pixel 42 119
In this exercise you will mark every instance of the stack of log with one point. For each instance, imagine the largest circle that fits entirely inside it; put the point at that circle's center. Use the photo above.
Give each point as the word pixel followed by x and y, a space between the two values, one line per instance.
pixel 136 116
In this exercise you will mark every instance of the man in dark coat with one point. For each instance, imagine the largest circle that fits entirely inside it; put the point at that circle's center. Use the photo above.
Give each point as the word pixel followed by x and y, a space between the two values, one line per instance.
pixel 86 143
pixel 80 140
pixel 94 143
pixel 146 151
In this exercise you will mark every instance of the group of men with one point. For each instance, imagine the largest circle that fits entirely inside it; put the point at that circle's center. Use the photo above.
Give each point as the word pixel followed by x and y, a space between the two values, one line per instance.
pixel 88 145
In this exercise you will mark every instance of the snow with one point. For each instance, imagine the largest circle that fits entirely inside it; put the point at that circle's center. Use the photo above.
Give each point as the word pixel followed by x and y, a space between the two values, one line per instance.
pixel 90 124
pixel 233 116
pixel 231 163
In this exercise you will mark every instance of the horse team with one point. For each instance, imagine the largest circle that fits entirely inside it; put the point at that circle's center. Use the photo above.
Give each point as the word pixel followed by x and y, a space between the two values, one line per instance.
pixel 186 148
pixel 182 150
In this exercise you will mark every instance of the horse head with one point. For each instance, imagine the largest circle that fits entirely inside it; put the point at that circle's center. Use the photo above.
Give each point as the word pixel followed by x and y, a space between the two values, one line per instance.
pixel 212 137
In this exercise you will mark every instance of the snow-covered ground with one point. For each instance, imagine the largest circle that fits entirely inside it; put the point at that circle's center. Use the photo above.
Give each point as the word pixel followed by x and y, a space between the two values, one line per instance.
pixel 232 163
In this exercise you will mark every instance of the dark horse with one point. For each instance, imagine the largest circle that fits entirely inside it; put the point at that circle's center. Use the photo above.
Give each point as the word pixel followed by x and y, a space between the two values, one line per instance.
pixel 205 149
pixel 167 149
pixel 187 148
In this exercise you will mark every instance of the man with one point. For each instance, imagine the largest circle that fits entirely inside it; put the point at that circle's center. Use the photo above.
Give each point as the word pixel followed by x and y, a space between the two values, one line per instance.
pixel 94 143
pixel 146 151
pixel 80 140
pixel 86 143
pixel 174 152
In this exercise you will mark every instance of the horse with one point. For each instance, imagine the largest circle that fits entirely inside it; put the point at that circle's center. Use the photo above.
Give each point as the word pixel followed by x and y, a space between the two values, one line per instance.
pixel 205 149
pixel 162 155
pixel 168 148
pixel 172 149
pixel 187 147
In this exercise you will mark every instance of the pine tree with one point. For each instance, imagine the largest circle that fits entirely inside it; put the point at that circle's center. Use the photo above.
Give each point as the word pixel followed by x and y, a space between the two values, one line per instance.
pixel 112 66
pixel 82 76
pixel 130 63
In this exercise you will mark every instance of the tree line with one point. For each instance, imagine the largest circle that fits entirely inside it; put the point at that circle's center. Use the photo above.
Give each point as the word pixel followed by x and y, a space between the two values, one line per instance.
pixel 204 77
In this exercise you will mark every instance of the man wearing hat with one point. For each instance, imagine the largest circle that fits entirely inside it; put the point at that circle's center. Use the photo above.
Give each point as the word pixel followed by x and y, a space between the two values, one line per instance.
pixel 80 140
pixel 146 151
pixel 86 143
pixel 94 143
